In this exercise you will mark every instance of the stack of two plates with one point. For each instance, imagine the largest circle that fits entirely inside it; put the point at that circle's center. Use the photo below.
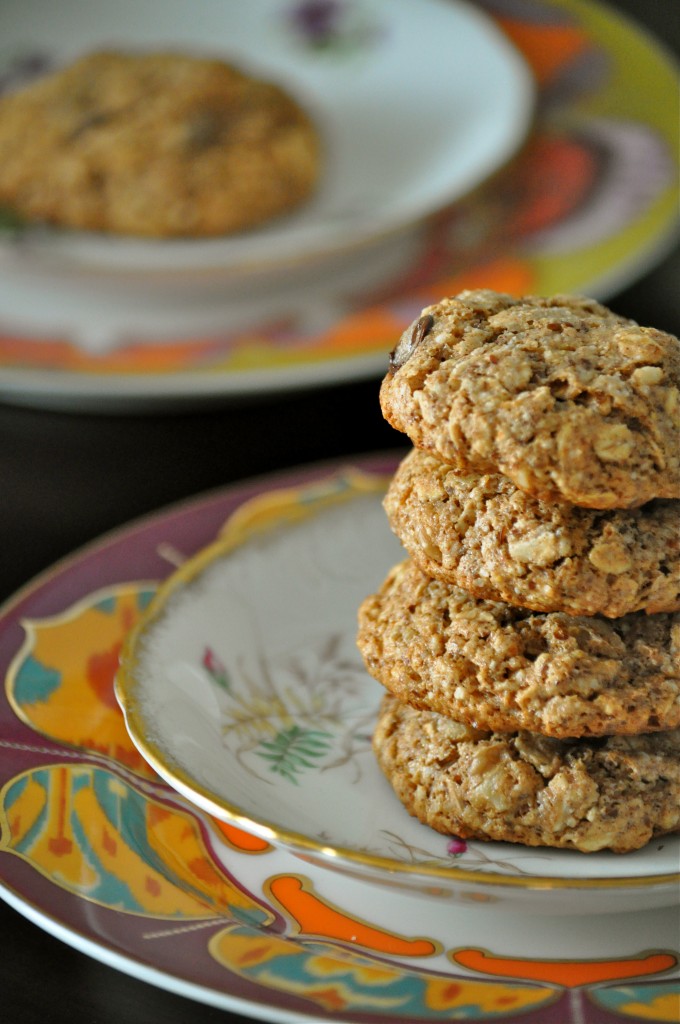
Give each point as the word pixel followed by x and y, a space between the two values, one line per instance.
pixel 515 146
pixel 256 826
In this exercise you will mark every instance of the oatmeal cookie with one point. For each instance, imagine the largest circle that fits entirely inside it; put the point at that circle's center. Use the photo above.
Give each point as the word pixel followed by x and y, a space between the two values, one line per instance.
pixel 505 668
pixel 155 144
pixel 570 401
pixel 612 794
pixel 484 534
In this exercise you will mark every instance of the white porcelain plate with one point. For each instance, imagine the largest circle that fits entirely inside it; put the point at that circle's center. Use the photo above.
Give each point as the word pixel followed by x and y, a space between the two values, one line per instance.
pixel 415 104
pixel 242 686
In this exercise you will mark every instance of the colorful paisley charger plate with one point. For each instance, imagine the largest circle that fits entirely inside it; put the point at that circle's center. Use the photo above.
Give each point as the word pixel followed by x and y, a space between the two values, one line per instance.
pixel 98 850
pixel 587 204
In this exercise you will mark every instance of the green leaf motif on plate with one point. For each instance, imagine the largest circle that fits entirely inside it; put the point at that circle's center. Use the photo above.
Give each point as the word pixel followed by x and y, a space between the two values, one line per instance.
pixel 293 750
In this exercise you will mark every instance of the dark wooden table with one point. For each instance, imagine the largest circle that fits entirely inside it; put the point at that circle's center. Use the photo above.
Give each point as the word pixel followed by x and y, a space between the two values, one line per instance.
pixel 67 478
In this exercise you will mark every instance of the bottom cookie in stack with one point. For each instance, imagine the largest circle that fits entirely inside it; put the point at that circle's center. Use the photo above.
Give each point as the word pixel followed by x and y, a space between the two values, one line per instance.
pixel 536 728
pixel 612 793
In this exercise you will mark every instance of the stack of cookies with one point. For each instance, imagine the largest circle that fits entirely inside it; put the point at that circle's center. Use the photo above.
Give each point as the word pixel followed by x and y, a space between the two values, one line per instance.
pixel 530 643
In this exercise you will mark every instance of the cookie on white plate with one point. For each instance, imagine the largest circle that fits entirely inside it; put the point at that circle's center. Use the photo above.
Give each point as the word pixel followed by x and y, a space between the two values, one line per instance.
pixel 155 144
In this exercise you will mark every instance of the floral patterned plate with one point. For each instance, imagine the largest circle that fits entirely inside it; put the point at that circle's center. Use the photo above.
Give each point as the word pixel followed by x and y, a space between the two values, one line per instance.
pixel 99 851
pixel 589 203
pixel 243 688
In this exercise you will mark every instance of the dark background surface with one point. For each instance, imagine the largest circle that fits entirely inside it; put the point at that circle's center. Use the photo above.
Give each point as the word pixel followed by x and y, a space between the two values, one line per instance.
pixel 67 478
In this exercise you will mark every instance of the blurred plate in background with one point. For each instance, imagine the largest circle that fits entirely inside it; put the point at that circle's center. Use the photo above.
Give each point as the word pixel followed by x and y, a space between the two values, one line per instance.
pixel 414 103
pixel 587 205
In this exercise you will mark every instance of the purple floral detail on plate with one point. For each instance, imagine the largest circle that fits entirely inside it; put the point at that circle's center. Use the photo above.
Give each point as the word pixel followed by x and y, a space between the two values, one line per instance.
pixel 337 25
pixel 317 20
pixel 456 846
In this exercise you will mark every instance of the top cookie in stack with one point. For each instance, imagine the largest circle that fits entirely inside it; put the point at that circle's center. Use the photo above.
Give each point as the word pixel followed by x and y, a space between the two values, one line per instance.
pixel 565 398
pixel 529 643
